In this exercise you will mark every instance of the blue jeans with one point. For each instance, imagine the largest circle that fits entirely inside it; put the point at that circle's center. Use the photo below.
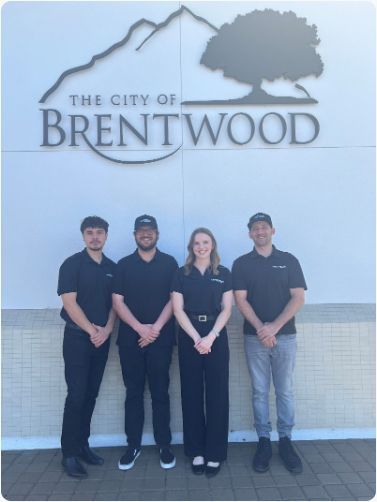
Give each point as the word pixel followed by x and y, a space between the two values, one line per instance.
pixel 279 362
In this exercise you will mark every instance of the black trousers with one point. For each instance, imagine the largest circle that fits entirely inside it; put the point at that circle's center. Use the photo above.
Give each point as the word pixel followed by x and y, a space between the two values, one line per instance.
pixel 84 367
pixel 205 396
pixel 152 362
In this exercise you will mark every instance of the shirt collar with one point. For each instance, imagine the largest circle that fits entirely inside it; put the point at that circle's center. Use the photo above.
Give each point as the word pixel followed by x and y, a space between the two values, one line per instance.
pixel 195 270
pixel 254 253
pixel 155 258
pixel 89 259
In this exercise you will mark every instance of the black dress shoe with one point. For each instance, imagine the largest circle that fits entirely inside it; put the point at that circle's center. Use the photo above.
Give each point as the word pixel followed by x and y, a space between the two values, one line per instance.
pixel 198 468
pixel 289 457
pixel 263 454
pixel 90 457
pixel 212 471
pixel 73 467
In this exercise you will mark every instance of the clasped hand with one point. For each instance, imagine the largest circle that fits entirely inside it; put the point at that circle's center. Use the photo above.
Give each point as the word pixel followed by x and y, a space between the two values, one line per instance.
pixel 203 345
pixel 100 337
pixel 148 334
pixel 266 334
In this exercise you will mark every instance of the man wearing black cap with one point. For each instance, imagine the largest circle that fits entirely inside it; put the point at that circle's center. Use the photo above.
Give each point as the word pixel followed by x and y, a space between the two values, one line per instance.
pixel 269 290
pixel 141 297
pixel 85 287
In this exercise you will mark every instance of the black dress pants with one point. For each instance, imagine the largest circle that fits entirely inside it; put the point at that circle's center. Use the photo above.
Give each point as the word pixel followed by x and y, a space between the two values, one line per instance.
pixel 205 395
pixel 152 362
pixel 84 367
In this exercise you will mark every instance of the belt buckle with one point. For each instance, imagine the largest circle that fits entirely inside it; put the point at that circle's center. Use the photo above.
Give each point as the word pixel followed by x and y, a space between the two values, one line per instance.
pixel 202 318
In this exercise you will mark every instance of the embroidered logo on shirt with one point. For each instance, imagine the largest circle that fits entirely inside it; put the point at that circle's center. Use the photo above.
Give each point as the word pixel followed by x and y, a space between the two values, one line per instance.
pixel 279 266
pixel 218 280
pixel 109 275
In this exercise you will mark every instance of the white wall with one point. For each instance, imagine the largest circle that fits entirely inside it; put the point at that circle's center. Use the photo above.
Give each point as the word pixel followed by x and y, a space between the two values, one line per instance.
pixel 320 196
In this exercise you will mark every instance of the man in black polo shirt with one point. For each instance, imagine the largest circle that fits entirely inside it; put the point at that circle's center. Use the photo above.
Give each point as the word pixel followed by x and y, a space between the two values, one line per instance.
pixel 269 290
pixel 85 284
pixel 146 336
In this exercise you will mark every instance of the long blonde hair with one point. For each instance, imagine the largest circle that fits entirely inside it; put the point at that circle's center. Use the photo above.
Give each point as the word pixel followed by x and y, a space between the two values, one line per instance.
pixel 214 257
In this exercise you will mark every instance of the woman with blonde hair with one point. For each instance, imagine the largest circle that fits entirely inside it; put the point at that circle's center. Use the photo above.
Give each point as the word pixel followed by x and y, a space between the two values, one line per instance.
pixel 202 303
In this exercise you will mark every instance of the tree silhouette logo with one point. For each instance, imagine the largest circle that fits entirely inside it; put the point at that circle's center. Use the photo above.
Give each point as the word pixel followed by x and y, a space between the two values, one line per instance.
pixel 264 44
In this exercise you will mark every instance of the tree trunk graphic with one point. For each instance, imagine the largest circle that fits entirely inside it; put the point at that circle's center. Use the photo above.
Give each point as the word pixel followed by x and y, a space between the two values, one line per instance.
pixel 264 45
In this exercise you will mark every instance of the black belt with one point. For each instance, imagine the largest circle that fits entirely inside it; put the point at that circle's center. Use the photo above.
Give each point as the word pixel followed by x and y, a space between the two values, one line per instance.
pixel 202 317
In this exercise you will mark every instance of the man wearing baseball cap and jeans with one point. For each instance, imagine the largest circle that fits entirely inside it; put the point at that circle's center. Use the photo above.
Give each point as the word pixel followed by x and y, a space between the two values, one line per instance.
pixel 141 297
pixel 269 290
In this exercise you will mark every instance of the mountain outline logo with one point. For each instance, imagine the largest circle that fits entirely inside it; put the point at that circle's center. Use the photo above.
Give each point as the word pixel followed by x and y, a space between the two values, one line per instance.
pixel 260 45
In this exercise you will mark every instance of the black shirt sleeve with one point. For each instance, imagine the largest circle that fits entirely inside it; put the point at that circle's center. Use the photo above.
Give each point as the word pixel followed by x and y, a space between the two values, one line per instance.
pixel 69 276
pixel 177 284
pixel 118 280
pixel 227 280
pixel 296 277
pixel 239 278
pixel 174 267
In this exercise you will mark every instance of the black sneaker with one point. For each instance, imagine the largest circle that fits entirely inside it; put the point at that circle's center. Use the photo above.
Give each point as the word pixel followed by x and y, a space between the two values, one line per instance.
pixel 128 459
pixel 167 458
pixel 262 457
pixel 289 457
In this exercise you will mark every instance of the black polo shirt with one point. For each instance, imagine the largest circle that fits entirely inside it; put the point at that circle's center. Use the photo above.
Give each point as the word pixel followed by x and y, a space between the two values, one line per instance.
pixel 92 282
pixel 145 287
pixel 202 294
pixel 268 282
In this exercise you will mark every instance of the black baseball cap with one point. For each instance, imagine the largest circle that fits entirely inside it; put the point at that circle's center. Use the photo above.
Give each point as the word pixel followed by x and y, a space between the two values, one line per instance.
pixel 259 217
pixel 145 220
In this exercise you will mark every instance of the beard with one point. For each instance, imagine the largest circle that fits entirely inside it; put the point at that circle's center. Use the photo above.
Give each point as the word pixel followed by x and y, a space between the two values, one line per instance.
pixel 146 247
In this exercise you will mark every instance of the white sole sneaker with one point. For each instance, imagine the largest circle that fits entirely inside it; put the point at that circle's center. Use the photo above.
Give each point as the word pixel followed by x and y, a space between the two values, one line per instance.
pixel 126 467
pixel 168 466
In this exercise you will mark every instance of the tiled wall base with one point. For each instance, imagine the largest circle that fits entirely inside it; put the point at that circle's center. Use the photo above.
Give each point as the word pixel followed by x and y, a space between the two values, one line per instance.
pixel 334 379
